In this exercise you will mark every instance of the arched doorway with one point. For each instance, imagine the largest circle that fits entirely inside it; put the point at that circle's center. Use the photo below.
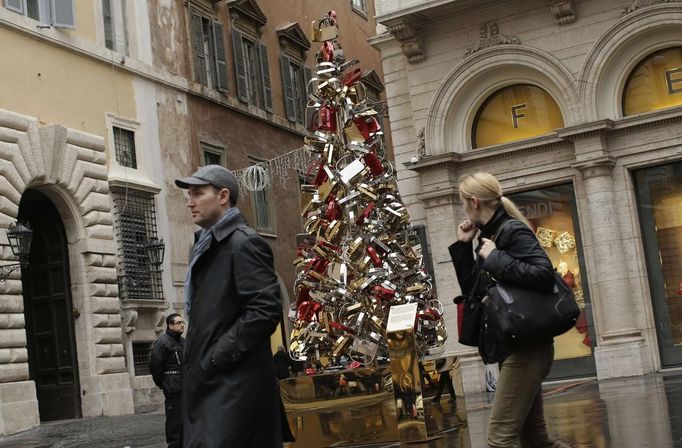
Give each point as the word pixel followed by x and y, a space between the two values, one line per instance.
pixel 49 315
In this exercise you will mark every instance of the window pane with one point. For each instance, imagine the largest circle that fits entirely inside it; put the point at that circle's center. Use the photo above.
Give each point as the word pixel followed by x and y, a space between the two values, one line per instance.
pixel 108 24
pixel 212 158
pixel 299 91
pixel 261 207
pixel 252 73
pixel 656 83
pixel 515 113
pixel 124 144
pixel 262 210
pixel 659 190
pixel 553 216
pixel 208 50
pixel 33 9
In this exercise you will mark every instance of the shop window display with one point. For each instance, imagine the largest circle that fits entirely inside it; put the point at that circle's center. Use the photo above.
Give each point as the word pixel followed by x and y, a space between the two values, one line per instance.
pixel 659 193
pixel 551 212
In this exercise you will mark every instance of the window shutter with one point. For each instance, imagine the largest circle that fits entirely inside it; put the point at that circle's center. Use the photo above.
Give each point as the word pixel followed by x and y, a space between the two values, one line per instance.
pixel 265 77
pixel 239 67
pixel 15 5
pixel 62 13
pixel 198 50
pixel 288 83
pixel 308 76
pixel 220 62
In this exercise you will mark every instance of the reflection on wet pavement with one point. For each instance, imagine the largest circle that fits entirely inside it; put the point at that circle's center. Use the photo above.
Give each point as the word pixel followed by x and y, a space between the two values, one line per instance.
pixel 636 412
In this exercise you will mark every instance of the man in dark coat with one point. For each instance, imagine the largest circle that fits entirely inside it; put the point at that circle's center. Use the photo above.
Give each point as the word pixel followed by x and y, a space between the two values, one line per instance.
pixel 164 364
pixel 230 396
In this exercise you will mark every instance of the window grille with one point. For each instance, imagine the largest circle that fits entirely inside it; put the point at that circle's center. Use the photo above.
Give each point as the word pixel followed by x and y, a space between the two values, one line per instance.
pixel 141 353
pixel 135 226
pixel 124 144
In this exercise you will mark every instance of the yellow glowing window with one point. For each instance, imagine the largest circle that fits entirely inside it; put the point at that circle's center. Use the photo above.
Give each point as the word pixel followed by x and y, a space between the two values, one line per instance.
pixel 514 113
pixel 656 83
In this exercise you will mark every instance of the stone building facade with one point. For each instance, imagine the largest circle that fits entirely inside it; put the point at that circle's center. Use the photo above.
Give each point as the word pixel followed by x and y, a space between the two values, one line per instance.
pixel 102 105
pixel 575 107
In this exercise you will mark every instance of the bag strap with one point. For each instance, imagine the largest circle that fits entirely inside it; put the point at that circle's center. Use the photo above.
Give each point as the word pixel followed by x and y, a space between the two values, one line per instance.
pixel 499 229
pixel 479 262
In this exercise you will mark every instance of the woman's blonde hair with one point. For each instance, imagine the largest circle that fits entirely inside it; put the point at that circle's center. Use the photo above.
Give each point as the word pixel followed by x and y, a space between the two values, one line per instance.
pixel 488 190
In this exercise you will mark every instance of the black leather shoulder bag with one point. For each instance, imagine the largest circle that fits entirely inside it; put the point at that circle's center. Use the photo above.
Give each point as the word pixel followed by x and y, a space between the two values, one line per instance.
pixel 520 316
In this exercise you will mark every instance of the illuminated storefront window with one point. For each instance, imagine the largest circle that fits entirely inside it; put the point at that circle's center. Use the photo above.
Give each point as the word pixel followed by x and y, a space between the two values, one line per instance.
pixel 552 213
pixel 656 83
pixel 659 194
pixel 515 113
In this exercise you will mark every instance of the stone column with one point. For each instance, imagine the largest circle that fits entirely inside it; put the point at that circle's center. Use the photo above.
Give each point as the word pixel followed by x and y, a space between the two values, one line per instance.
pixel 443 209
pixel 620 343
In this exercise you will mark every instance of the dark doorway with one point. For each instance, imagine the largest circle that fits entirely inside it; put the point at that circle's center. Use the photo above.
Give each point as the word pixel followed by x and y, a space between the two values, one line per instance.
pixel 47 306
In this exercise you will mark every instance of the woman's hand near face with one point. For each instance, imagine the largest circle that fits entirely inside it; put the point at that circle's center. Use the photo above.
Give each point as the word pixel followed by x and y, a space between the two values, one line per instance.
pixel 466 231
pixel 487 247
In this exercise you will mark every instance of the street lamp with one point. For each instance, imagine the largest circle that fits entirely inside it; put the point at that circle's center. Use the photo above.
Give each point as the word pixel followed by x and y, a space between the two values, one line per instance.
pixel 19 236
pixel 155 250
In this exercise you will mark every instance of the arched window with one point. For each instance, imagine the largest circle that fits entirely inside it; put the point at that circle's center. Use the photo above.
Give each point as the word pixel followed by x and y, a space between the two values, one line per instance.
pixel 656 83
pixel 515 113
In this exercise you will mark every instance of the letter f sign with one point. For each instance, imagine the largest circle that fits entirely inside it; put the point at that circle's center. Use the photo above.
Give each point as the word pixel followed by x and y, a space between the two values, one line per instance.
pixel 516 114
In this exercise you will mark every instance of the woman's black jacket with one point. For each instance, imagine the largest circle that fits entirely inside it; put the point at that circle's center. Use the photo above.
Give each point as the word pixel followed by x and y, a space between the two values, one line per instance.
pixel 518 260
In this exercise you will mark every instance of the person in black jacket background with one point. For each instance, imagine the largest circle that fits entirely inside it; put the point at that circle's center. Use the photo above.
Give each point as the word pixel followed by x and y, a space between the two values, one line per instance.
pixel 516 257
pixel 164 365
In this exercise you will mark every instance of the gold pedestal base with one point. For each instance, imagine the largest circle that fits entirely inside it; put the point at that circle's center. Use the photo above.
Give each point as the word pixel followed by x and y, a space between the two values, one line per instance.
pixel 357 406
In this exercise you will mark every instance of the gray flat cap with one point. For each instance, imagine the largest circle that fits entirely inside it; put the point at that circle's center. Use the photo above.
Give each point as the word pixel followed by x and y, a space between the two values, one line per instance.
pixel 215 175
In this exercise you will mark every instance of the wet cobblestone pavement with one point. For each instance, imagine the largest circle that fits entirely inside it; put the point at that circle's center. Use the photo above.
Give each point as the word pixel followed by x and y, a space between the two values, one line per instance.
pixel 638 412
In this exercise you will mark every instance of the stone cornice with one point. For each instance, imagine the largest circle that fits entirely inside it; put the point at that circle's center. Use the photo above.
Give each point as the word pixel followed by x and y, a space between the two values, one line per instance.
pixel 604 128
pixel 498 152
pixel 585 129
pixel 432 162
pixel 294 34
pixel 647 120
pixel 410 11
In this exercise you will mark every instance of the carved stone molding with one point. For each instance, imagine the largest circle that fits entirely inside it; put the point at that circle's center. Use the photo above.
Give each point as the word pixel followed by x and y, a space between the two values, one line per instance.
pixel 600 167
pixel 490 37
pixel 563 11
pixel 421 145
pixel 409 36
pixel 129 319
pixel 293 33
pixel 438 198
pixel 638 4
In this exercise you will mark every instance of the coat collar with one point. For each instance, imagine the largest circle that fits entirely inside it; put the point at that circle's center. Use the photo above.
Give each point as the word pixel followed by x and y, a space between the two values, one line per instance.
pixel 224 228
pixel 491 227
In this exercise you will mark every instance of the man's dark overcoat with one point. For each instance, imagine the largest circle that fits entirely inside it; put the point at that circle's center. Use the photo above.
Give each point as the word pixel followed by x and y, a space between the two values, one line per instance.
pixel 230 397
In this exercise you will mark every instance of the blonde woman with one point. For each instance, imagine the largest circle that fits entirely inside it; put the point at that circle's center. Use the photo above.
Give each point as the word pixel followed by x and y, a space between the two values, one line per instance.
pixel 515 257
